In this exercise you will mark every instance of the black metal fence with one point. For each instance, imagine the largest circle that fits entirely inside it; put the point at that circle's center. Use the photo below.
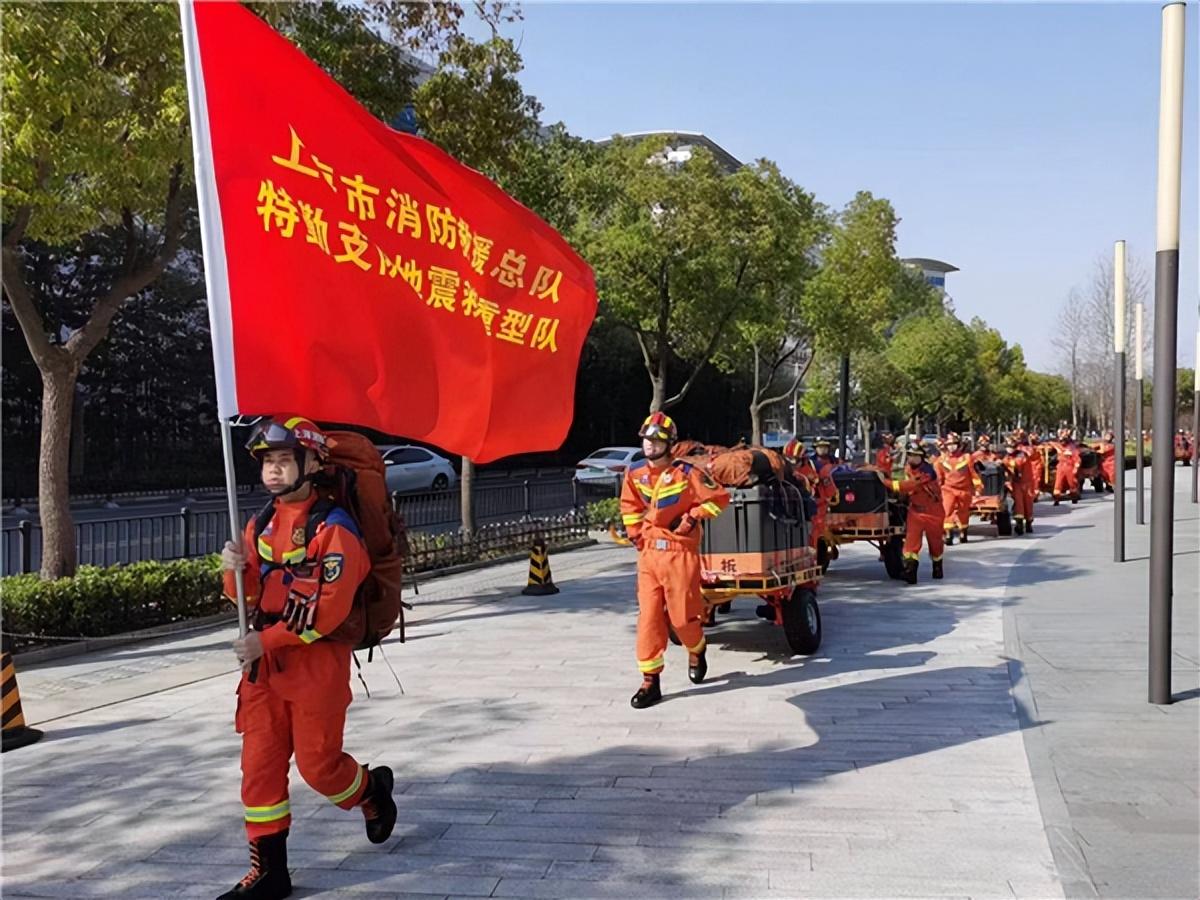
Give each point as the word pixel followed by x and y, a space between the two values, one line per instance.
pixel 189 533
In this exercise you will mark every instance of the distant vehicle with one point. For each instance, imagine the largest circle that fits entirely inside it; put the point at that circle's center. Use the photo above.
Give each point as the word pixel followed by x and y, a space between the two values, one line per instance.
pixel 606 466
pixel 416 469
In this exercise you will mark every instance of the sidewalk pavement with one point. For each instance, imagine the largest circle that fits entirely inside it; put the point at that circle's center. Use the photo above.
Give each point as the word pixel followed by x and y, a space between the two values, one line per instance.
pixel 891 764
pixel 1117 777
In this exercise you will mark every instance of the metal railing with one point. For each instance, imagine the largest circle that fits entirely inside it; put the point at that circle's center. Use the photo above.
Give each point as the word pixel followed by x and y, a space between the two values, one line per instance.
pixel 190 533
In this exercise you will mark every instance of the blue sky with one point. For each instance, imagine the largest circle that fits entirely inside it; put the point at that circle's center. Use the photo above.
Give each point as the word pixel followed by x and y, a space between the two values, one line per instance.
pixel 1016 141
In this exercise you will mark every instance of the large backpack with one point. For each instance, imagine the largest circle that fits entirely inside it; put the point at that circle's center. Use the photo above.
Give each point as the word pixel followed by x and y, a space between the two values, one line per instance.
pixel 354 480
pixel 747 466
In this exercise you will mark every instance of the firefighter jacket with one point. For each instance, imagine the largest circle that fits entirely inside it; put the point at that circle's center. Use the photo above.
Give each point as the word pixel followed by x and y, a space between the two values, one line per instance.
pixel 281 567
pixel 957 473
pixel 1019 470
pixel 1068 459
pixel 920 486
pixel 883 461
pixel 654 501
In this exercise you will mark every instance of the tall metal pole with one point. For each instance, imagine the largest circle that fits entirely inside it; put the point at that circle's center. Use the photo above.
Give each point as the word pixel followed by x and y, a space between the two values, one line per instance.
pixel 1119 402
pixel 1139 405
pixel 1196 423
pixel 1166 311
pixel 844 409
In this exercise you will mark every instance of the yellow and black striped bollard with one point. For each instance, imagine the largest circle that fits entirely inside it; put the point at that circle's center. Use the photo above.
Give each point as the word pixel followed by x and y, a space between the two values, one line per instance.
pixel 16 734
pixel 540 584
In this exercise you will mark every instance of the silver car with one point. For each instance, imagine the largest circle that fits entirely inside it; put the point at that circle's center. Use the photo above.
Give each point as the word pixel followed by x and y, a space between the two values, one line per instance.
pixel 604 469
pixel 416 469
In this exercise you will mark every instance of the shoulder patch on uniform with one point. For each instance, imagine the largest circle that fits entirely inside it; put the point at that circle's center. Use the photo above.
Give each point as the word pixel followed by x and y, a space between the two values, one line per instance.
pixel 633 467
pixel 681 464
pixel 339 516
pixel 332 565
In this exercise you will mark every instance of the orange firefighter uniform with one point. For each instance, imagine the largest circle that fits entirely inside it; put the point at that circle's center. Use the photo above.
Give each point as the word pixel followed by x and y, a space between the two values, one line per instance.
pixel 662 507
pixel 959 482
pixel 297 702
pixel 919 483
pixel 1019 470
pixel 985 453
pixel 1066 478
pixel 1107 451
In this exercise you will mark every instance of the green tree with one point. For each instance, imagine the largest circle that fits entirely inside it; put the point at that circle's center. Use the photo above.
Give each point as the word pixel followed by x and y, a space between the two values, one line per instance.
pixel 96 139
pixel 770 338
pixel 679 250
pixel 933 356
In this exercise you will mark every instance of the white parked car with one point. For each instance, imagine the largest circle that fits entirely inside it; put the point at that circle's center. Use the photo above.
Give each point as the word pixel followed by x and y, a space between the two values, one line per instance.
pixel 606 467
pixel 416 469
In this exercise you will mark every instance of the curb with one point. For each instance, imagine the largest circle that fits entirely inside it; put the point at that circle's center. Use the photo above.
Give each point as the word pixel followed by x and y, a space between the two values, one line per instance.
pixel 78 648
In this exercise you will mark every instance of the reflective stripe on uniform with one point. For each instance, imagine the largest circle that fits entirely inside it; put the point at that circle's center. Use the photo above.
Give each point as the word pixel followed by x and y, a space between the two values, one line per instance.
pixel 268 813
pixel 650 665
pixel 309 635
pixel 632 518
pixel 908 555
pixel 711 508
pixel 699 648
pixel 350 791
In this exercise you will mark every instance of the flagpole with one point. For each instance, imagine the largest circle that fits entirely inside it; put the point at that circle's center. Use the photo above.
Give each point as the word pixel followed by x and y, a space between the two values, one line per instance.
pixel 216 275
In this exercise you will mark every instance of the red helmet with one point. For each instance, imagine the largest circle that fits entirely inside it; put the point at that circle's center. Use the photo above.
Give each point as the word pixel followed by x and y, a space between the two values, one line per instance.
pixel 793 450
pixel 659 427
pixel 953 437
pixel 288 433
pixel 985 439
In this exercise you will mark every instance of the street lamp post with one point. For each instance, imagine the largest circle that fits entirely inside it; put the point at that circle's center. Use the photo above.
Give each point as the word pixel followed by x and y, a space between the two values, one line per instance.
pixel 1119 402
pixel 1139 406
pixel 1166 312
pixel 1196 423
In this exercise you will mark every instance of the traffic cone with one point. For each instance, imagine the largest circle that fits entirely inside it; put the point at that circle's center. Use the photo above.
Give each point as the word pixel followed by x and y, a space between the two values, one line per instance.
pixel 15 733
pixel 540 584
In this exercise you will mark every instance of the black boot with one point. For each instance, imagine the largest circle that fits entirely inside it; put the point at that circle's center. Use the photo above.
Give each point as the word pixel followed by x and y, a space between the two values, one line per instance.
pixel 379 809
pixel 937 569
pixel 268 877
pixel 910 571
pixel 1029 527
pixel 950 536
pixel 1019 527
pixel 964 536
pixel 698 666
pixel 648 694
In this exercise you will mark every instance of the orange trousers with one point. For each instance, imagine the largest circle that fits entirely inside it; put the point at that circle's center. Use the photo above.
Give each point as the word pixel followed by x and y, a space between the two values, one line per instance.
pixel 928 526
pixel 1023 504
pixel 272 729
pixel 1066 483
pixel 668 588
pixel 957 507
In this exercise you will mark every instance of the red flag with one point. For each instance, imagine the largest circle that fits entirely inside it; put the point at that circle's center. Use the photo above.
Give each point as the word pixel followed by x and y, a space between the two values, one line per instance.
pixel 358 274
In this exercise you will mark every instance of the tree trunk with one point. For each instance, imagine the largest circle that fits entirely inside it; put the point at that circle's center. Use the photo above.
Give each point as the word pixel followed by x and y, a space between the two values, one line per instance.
pixel 843 417
pixel 54 499
pixel 756 424
pixel 467 486
pixel 77 434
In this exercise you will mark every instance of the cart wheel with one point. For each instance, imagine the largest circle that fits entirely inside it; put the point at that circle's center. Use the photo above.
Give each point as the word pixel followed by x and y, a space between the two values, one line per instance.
pixel 725 608
pixel 674 637
pixel 823 555
pixel 893 556
pixel 1003 524
pixel 802 621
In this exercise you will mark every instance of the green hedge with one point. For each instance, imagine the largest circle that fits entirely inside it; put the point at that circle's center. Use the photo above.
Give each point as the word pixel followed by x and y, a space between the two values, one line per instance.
pixel 603 511
pixel 98 602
